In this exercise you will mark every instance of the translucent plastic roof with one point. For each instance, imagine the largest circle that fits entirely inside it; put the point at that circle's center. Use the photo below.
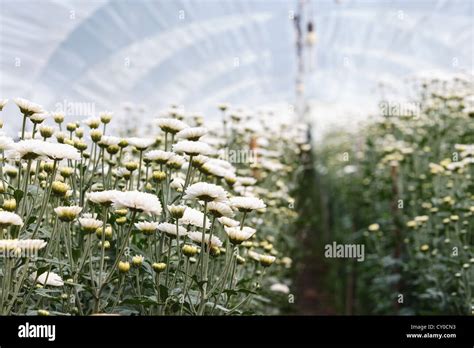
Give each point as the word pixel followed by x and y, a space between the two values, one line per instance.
pixel 201 52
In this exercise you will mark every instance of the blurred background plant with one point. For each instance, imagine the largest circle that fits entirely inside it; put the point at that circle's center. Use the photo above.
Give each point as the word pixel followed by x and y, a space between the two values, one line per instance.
pixel 402 185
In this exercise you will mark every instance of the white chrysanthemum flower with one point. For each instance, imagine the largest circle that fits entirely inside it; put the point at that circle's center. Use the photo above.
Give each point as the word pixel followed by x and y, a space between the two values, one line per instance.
pixel 61 151
pixel 193 148
pixel 50 278
pixel 246 180
pixel 228 222
pixel 199 160
pixel 175 161
pixel 34 149
pixel 121 172
pixel 7 219
pixel 192 133
pixel 212 169
pixel 27 107
pixel 27 149
pixel 92 122
pixel 194 217
pixel 89 224
pixel 140 143
pixel 68 214
pixel 102 197
pixel 105 116
pixel 279 287
pixel 206 192
pixel 138 201
pixel 177 184
pixel 197 238
pixel 38 117
pixel 222 163
pixel 247 204
pixel 237 235
pixel 3 102
pixel 177 211
pixel 46 131
pixel 171 125
pixel 170 229
pixel 108 140
pixel 6 143
pixel 219 209
pixel 159 156
pixel 147 227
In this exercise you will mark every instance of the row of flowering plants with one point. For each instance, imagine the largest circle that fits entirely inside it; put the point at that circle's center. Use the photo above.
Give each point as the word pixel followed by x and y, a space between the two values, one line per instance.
pixel 184 221
pixel 402 186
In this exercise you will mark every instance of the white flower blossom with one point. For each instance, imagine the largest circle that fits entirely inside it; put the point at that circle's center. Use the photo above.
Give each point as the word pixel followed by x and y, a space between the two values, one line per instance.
pixel 197 238
pixel 206 192
pixel 138 201
pixel 194 217
pixel 193 148
pixel 170 229
pixel 140 143
pixel 237 235
pixel 192 133
pixel 7 218
pixel 247 203
pixel 171 125
pixel 50 278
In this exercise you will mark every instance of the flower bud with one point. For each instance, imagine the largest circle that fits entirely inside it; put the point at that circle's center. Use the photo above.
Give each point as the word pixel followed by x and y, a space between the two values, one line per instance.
pixel 113 149
pixel 60 136
pixel 66 172
pixel 80 145
pixel 266 260
pixel 71 127
pixel 159 267
pixel 108 232
pixel 240 260
pixel 121 212
pixel 58 117
pixel 425 247
pixel 79 132
pixel 96 135
pixel 176 211
pixel 158 176
pixel 59 188
pixel 48 167
pixel 105 117
pixel 137 260
pixel 123 267
pixel 214 251
pixel 121 220
pixel 131 166
pixel 46 131
pixel 9 204
pixel 123 143
pixel 106 244
pixel 189 250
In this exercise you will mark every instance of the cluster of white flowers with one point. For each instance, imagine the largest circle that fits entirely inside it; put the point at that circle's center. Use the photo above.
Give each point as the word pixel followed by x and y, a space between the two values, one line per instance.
pixel 171 196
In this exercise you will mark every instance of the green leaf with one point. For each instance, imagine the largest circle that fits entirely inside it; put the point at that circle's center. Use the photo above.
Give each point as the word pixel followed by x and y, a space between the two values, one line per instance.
pixel 199 283
pixel 18 195
pixel 143 300
pixel 163 292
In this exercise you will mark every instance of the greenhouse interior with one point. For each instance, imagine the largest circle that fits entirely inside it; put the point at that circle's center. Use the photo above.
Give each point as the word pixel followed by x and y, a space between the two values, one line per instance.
pixel 236 158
